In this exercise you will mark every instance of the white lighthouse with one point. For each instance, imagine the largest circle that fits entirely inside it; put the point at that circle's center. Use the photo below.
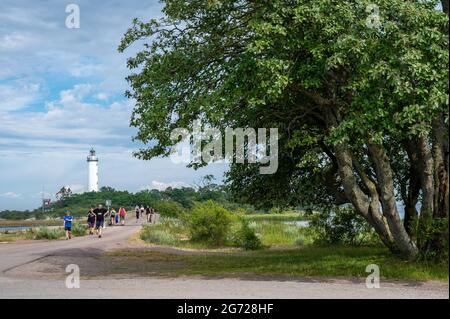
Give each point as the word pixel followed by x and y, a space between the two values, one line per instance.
pixel 93 171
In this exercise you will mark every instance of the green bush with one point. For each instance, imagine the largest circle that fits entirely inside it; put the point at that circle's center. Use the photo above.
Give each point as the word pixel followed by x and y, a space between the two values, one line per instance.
pixel 341 226
pixel 47 233
pixel 246 237
pixel 169 209
pixel 432 238
pixel 79 229
pixel 208 222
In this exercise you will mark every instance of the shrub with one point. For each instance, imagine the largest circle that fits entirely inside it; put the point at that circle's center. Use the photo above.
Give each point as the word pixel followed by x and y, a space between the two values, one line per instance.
pixel 432 238
pixel 169 209
pixel 47 233
pixel 246 237
pixel 341 226
pixel 79 229
pixel 208 222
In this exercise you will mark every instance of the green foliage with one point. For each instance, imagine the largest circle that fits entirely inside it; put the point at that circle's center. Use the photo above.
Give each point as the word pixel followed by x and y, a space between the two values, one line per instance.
pixel 246 237
pixel 390 79
pixel 300 241
pixel 157 235
pixel 46 233
pixel 310 261
pixel 79 229
pixel 169 208
pixel 341 226
pixel 208 222
pixel 432 234
pixel 276 233
pixel 287 216
pixel 170 202
pixel 316 70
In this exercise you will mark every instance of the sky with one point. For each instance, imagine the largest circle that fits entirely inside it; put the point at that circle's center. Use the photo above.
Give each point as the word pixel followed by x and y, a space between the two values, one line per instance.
pixel 62 92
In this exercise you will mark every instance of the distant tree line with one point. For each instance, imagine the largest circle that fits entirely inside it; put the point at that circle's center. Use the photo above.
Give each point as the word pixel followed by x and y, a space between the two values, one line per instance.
pixel 169 200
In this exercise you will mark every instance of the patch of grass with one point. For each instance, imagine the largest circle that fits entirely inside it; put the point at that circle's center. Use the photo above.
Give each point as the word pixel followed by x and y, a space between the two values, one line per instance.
pixel 309 261
pixel 42 232
pixel 31 223
pixel 157 236
pixel 79 229
pixel 281 217
pixel 174 232
pixel 10 236
pixel 46 233
pixel 280 234
pixel 170 231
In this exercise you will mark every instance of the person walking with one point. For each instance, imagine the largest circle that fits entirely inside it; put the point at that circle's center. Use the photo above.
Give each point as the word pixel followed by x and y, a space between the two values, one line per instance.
pixel 153 216
pixel 122 214
pixel 68 225
pixel 112 217
pixel 100 213
pixel 91 220
pixel 142 210
pixel 138 212
pixel 148 214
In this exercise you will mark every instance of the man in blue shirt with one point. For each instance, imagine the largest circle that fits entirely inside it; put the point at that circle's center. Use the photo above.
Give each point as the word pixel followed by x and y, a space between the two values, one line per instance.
pixel 68 225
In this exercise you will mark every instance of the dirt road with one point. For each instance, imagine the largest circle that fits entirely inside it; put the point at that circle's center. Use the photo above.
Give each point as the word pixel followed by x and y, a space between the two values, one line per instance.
pixel 23 276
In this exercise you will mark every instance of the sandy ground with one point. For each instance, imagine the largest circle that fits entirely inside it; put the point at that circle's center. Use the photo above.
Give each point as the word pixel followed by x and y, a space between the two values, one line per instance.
pixel 37 269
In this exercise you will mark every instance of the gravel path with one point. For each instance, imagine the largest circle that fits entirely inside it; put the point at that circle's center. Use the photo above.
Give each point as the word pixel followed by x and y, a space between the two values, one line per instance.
pixel 27 271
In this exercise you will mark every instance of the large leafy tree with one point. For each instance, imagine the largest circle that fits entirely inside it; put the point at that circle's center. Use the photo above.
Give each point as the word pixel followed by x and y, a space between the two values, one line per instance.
pixel 359 94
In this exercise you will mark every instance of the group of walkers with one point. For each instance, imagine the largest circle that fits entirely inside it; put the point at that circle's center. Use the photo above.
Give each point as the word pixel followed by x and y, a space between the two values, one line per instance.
pixel 97 216
pixel 149 212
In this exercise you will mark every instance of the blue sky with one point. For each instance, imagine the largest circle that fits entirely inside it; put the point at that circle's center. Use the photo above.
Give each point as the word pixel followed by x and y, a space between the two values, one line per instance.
pixel 61 93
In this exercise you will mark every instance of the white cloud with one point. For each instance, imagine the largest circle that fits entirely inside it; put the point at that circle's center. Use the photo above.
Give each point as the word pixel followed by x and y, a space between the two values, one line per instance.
pixel 17 95
pixel 14 41
pixel 76 188
pixel 48 123
pixel 163 185
pixel 85 70
pixel 101 96
pixel 10 195
pixel 70 122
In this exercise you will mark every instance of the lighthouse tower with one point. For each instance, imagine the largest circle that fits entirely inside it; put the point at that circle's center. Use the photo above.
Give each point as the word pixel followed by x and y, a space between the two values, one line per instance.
pixel 93 171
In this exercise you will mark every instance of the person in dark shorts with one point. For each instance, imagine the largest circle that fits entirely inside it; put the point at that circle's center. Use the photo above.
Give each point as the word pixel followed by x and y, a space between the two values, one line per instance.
pixel 148 212
pixel 100 213
pixel 91 220
pixel 138 212
pixel 68 225
pixel 112 216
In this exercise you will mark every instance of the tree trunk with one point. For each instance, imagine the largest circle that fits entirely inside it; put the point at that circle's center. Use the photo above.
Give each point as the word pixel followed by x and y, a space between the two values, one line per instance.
pixel 411 192
pixel 388 201
pixel 369 209
pixel 440 155
pixel 445 6
pixel 426 178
